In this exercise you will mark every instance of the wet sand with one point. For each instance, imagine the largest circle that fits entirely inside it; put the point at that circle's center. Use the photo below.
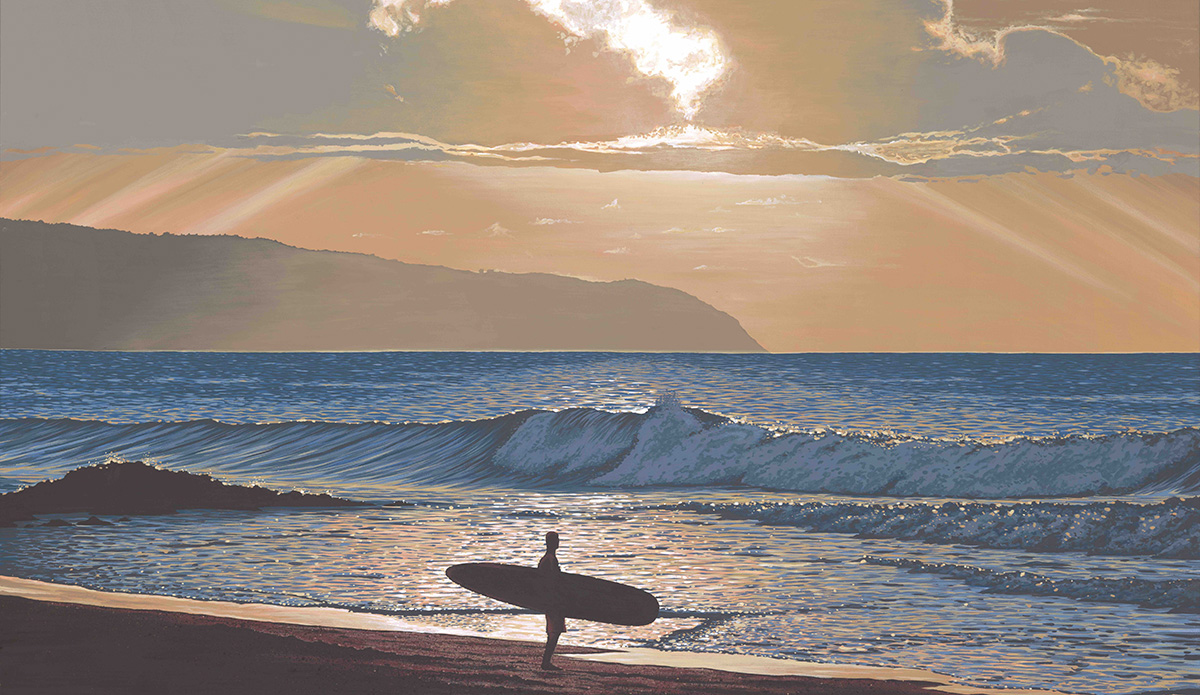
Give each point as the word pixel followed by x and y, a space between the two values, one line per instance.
pixel 64 639
pixel 68 648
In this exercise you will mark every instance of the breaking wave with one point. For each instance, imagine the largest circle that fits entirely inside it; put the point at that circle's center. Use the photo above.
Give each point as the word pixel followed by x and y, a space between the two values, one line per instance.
pixel 668 445
pixel 1169 529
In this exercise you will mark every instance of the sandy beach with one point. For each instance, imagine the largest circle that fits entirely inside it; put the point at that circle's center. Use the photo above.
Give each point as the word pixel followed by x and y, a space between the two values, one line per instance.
pixel 67 648
pixel 87 641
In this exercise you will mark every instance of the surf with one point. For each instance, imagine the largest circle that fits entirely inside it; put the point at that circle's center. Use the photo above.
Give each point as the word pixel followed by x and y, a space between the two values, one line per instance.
pixel 585 448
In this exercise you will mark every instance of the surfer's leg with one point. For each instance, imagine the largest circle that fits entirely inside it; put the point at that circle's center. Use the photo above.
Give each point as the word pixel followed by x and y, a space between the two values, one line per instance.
pixel 551 643
pixel 555 625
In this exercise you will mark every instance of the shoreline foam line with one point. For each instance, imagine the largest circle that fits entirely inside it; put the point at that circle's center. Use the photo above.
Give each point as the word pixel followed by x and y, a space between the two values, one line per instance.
pixel 345 619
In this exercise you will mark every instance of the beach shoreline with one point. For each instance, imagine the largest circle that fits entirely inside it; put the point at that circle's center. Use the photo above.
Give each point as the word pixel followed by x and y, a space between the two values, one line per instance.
pixel 62 638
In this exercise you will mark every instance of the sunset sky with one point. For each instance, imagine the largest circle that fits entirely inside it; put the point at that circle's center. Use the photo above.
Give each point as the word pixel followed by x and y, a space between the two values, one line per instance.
pixel 866 175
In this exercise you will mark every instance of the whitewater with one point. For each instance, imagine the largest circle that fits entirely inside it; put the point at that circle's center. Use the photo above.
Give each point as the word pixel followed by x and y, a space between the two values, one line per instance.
pixel 667 445
pixel 1014 520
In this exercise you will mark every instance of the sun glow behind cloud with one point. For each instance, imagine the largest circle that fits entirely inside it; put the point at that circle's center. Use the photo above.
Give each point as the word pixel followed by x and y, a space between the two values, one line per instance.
pixel 903 151
pixel 690 59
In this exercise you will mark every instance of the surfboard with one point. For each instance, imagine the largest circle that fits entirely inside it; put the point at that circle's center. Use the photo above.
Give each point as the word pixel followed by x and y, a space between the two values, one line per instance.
pixel 574 595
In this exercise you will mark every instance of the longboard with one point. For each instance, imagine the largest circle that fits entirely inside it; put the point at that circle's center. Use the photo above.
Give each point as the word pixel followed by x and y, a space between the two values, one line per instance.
pixel 573 595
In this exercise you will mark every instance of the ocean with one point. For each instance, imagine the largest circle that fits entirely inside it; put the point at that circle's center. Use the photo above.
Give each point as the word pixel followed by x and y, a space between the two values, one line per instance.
pixel 1012 520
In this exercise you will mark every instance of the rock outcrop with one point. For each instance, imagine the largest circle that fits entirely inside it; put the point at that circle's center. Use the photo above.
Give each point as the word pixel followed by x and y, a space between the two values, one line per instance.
pixel 132 487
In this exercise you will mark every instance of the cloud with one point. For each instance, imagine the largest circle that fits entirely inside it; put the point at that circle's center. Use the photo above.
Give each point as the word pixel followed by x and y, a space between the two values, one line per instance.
pixel 1158 87
pixel 436 232
pixel 689 58
pixel 771 202
pixel 364 235
pixel 394 17
pixel 809 262
pixel 392 145
pixel 497 230
pixel 623 250
pixel 1075 17
pixel 1048 138
pixel 921 148
pixel 954 38
pixel 551 220
pixel 684 137
pixel 1054 137
pixel 614 205
pixel 704 230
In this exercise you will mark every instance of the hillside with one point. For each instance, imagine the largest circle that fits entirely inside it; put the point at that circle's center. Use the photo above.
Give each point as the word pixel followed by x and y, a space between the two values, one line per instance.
pixel 68 287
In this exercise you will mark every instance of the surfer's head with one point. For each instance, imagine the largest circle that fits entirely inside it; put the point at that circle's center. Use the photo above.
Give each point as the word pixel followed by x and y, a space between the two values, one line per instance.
pixel 551 540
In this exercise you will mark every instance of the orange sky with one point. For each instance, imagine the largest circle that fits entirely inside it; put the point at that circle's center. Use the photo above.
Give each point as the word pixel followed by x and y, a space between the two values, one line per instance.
pixel 1011 263
pixel 862 175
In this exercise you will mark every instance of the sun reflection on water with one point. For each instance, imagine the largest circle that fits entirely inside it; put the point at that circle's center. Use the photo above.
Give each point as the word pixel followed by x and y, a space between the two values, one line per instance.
pixel 724 585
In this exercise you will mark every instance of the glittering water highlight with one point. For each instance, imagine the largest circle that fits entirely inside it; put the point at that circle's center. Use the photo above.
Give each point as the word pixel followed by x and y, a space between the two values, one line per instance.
pixel 765 534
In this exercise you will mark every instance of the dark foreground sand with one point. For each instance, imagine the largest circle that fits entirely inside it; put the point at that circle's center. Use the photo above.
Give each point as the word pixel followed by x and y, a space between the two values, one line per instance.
pixel 50 647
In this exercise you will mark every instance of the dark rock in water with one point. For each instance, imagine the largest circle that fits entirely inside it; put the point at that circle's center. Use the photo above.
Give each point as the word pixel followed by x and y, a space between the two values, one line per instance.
pixel 95 521
pixel 133 487
pixel 58 522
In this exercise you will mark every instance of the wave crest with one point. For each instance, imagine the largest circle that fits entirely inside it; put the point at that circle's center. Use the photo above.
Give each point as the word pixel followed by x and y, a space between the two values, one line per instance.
pixel 667 446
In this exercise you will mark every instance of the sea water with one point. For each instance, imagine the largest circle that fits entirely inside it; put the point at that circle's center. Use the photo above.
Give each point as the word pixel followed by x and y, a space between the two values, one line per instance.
pixel 1012 520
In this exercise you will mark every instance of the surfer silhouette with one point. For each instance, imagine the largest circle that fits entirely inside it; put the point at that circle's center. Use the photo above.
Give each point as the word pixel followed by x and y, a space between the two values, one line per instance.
pixel 548 590
pixel 556 623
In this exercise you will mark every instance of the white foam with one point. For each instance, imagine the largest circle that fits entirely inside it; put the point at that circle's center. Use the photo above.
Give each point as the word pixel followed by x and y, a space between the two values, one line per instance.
pixel 672 446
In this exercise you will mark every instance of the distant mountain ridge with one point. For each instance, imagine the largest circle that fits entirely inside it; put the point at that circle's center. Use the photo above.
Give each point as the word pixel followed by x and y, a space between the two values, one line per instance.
pixel 64 286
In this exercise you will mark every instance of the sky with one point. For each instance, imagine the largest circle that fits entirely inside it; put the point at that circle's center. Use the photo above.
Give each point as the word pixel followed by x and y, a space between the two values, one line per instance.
pixel 865 175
